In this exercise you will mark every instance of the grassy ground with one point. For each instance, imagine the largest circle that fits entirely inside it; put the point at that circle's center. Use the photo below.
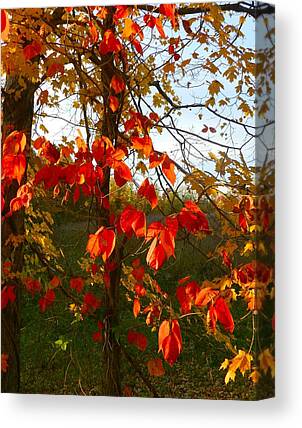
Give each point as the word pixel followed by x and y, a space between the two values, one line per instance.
pixel 73 365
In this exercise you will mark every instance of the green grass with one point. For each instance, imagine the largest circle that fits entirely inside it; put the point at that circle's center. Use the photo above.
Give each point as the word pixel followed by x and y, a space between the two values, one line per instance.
pixel 47 369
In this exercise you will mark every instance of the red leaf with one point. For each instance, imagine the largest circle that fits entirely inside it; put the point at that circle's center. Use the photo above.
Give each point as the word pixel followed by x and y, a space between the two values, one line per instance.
pixel 54 68
pixel 77 284
pixel 4 25
pixel 224 315
pixel 156 255
pixel 168 169
pixel 137 339
pixel 47 300
pixel 117 84
pixel 7 295
pixel 32 285
pixel 109 43
pixel 97 336
pixel 140 289
pixel 13 167
pixel 193 219
pixel 148 191
pixel 14 143
pixel 90 303
pixel 170 340
pixel 32 50
pixel 55 282
pixel 143 144
pixel 101 243
pixel 168 10
pixel 113 103
pixel 133 220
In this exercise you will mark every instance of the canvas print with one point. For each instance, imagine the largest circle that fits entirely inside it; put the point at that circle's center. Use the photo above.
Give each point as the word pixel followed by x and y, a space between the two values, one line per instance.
pixel 138 200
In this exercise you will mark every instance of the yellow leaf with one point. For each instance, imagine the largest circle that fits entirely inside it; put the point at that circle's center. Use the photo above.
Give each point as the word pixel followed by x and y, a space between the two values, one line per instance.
pixel 267 362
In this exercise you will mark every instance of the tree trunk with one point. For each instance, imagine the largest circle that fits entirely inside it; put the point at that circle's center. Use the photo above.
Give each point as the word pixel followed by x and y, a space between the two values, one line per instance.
pixel 17 115
pixel 112 352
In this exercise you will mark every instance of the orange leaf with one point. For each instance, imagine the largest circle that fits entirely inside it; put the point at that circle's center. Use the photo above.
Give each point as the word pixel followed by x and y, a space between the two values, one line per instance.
pixel 109 43
pixel 168 10
pixel 14 143
pixel 148 191
pixel 113 103
pixel 136 307
pixel 143 144
pixel 168 169
pixel 117 84
pixel 133 220
pixel 155 367
pixel 101 243
pixel 131 29
pixel 55 282
pixel 205 296
pixel 4 357
pixel 170 340
pixel 13 167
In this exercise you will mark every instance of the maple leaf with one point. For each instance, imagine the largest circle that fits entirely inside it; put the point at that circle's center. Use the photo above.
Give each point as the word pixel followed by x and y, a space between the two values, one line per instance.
pixel 267 361
pixel 215 87
pixel 77 284
pixel 148 191
pixel 117 84
pixel 90 303
pixel 241 362
pixel 155 159
pixel 155 367
pixel 139 289
pixel 137 339
pixel 101 243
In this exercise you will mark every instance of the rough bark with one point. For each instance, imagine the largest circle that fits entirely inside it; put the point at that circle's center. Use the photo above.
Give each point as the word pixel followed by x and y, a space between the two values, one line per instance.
pixel 17 115
pixel 111 349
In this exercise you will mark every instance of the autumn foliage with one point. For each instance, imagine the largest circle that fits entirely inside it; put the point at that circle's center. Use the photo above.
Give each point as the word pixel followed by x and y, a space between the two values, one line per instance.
pixel 132 242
